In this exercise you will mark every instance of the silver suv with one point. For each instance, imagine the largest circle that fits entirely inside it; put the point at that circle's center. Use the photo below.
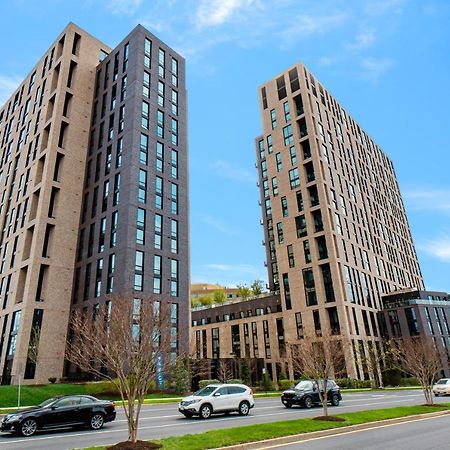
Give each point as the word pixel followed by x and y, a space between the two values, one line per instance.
pixel 218 398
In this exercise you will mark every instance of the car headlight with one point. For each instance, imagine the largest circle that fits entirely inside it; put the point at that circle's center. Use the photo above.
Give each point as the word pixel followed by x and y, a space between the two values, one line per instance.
pixel 13 417
pixel 191 402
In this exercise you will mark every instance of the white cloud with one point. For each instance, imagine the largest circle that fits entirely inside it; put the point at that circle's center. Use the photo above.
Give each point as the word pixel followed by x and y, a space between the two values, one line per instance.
pixel 326 61
pixel 438 248
pixel 128 7
pixel 7 86
pixel 305 25
pixel 374 68
pixel 379 7
pixel 228 170
pixel 228 274
pixel 219 225
pixel 428 200
pixel 362 40
pixel 212 13
pixel 236 268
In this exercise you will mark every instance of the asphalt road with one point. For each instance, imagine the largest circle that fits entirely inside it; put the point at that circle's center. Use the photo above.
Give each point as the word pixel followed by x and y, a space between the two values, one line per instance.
pixel 163 420
pixel 418 434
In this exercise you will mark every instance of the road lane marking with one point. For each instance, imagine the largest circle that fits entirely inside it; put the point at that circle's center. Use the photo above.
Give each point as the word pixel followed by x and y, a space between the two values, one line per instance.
pixel 346 433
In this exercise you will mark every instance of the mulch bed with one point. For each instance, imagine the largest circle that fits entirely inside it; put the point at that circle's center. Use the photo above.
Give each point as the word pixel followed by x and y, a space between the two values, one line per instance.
pixel 138 445
pixel 330 418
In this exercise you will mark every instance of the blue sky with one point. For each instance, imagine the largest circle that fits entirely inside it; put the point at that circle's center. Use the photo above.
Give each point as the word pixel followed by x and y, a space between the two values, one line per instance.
pixel 386 61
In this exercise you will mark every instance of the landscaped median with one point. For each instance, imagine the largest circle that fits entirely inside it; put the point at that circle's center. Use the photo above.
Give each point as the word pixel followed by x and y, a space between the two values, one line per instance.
pixel 251 433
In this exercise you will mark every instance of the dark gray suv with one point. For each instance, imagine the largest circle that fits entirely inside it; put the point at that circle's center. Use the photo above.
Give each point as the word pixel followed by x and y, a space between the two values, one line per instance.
pixel 306 394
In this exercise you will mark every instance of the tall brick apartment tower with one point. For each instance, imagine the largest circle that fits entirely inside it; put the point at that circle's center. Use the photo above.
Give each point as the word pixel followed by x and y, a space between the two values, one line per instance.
pixel 336 232
pixel 93 193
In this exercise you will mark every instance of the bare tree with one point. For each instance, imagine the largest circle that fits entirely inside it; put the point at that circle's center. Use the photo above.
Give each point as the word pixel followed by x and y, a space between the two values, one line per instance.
pixel 129 346
pixel 321 359
pixel 225 370
pixel 419 357
pixel 33 346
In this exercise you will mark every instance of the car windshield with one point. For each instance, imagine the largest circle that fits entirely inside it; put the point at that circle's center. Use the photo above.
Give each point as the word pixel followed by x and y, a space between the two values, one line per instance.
pixel 208 390
pixel 442 381
pixel 47 402
pixel 304 385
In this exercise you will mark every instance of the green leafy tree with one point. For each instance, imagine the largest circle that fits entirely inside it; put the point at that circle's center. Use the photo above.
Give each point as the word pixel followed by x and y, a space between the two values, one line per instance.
pixel 205 300
pixel 244 371
pixel 243 292
pixel 257 287
pixel 219 296
pixel 182 374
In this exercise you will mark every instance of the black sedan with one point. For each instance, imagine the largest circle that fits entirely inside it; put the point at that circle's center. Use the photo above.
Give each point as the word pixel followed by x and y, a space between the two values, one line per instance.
pixel 307 394
pixel 60 412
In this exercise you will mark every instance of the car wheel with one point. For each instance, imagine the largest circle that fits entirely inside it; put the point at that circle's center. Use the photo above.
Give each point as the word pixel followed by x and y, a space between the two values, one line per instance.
pixel 205 411
pixel 97 421
pixel 436 394
pixel 335 400
pixel 244 408
pixel 28 427
pixel 308 402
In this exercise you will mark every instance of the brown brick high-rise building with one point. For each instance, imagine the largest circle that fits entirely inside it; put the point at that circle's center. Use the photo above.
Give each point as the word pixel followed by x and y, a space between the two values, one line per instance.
pixel 336 232
pixel 93 193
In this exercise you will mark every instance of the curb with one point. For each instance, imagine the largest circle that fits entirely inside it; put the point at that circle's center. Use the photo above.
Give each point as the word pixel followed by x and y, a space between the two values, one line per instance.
pixel 317 434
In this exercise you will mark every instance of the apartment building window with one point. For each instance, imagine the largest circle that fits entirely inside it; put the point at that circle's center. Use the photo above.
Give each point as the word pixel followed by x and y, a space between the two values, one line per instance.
pixel 122 118
pixel 299 325
pixel 294 178
pixel 174 129
pixel 174 72
pixel 263 169
pixel 113 99
pixel 317 219
pixel 126 51
pixel 313 196
pixel 87 282
pixel 287 291
pixel 215 343
pixel 102 234
pixel 288 135
pixel 160 124
pixel 123 88
pixel 299 199
pixel 327 283
pixel 269 144
pixel 307 251
pixel 310 175
pixel 140 226
pixel 161 63
pixel 139 271
pixel 273 119
pixel 98 277
pixel 158 231
pixel 119 150
pixel 161 93
pixel 143 154
pixel 174 278
pixel 279 162
pixel 255 339
pixel 174 164
pixel 322 249
pixel 395 323
pixel 290 254
pixel 146 85
pixel 274 187
pixel 337 219
pixel 293 155
pixel 157 274
pixel 266 188
pixel 159 192
pixel 284 207
pixel 105 195
pixel 266 339
pixel 113 237
pixel 310 287
pixel 111 268
pixel 287 113
pixel 280 234
pixel 174 102
pixel 302 128
pixel 317 324
pixel 349 285
pixel 333 318
pixel 300 225
pixel 142 192
pixel 174 236
pixel 145 115
pixel 235 341
pixel 147 53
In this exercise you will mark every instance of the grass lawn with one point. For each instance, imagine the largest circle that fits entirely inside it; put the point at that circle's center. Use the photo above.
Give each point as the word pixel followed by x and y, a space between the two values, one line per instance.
pixel 258 432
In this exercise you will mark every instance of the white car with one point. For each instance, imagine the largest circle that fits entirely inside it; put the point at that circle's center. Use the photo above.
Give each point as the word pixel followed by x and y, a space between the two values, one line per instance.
pixel 442 387
pixel 218 398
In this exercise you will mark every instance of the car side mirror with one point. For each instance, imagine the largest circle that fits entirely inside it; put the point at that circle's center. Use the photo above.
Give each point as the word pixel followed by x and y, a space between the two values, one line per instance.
pixel 217 394
pixel 54 407
pixel 314 388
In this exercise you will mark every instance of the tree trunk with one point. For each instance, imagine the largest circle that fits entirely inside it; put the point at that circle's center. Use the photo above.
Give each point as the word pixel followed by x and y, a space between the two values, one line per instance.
pixel 132 426
pixel 325 403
